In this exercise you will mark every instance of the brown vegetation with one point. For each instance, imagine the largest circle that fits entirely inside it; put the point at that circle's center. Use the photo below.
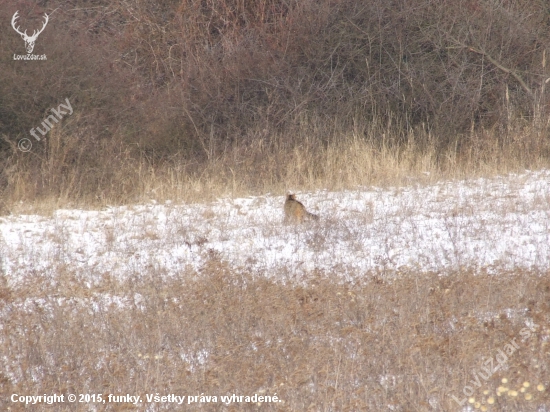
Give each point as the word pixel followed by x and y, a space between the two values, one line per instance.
pixel 186 100
pixel 189 99
pixel 406 344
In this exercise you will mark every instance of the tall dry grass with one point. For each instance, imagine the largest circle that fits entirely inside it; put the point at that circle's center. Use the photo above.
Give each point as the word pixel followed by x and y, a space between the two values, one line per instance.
pixel 406 344
pixel 58 178
pixel 190 101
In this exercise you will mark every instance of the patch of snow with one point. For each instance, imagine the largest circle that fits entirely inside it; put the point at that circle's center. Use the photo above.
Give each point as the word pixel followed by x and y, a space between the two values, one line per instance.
pixel 497 224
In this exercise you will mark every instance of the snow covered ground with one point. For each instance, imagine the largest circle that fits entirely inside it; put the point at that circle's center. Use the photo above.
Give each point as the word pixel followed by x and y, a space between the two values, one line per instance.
pixel 497 224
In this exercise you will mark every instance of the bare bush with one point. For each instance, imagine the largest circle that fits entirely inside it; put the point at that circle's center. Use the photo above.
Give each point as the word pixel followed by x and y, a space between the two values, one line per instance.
pixel 196 83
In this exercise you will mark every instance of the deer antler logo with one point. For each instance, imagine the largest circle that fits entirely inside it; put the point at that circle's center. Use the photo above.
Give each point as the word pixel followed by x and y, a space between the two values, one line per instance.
pixel 29 40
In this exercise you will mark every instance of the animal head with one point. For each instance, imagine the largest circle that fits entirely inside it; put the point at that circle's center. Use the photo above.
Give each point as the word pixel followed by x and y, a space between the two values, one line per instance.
pixel 29 40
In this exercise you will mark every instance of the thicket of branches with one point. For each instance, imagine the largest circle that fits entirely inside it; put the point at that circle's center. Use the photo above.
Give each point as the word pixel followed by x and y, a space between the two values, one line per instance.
pixel 189 79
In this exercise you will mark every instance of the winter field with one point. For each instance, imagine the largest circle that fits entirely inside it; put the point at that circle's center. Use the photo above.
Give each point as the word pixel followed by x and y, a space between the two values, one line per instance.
pixel 492 225
pixel 396 299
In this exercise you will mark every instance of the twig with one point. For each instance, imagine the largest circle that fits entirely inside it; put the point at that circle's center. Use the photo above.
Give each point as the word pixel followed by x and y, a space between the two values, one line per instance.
pixel 504 69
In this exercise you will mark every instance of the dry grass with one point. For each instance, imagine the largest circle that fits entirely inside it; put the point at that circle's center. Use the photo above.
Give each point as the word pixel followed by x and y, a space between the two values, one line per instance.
pixel 264 165
pixel 193 101
pixel 403 345
pixel 189 101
